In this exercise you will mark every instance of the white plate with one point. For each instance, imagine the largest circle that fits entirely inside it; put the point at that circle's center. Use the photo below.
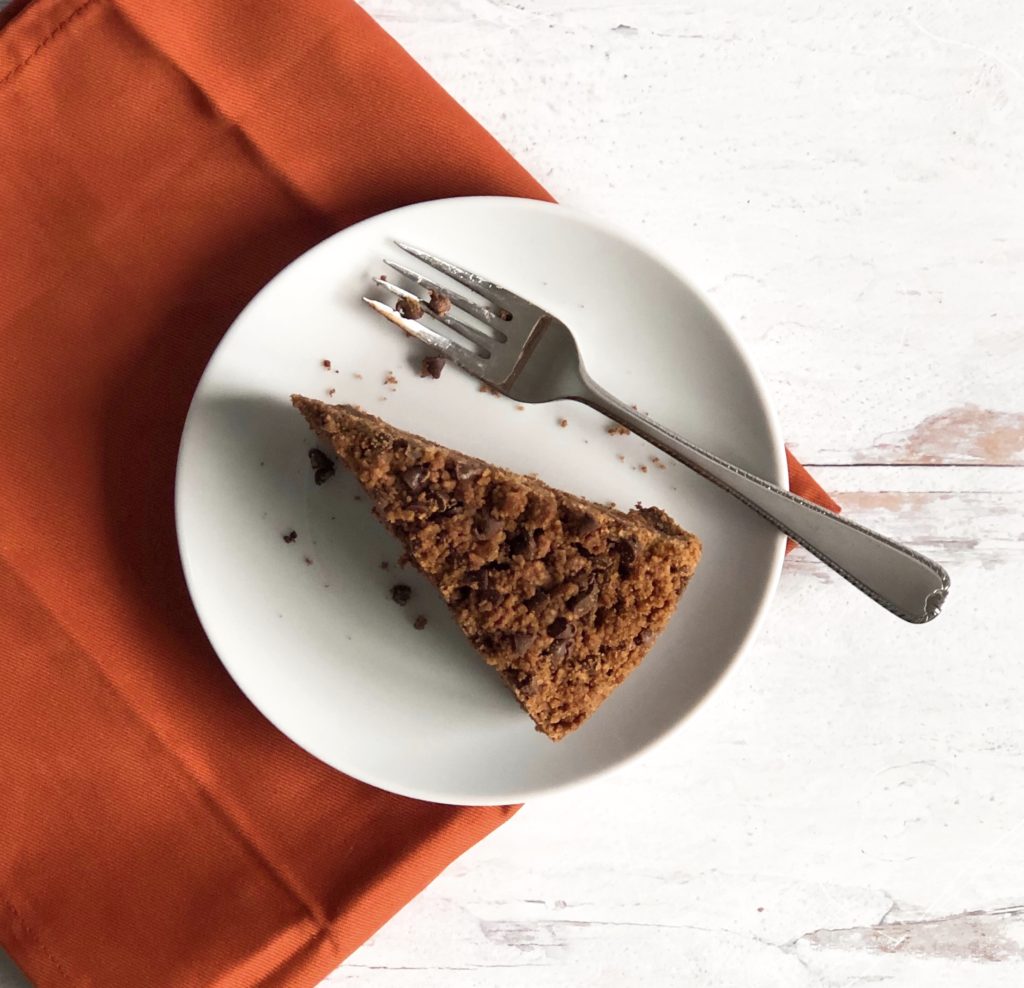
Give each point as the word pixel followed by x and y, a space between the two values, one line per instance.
pixel 320 647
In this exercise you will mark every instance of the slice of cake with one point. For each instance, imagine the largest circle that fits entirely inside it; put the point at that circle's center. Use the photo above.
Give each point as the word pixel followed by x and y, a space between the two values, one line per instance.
pixel 561 596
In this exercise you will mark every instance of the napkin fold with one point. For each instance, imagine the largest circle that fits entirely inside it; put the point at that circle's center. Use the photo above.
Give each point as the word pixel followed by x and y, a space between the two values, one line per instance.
pixel 159 162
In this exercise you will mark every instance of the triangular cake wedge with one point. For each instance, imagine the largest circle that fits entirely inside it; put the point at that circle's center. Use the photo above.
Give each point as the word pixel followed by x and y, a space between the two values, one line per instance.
pixel 561 596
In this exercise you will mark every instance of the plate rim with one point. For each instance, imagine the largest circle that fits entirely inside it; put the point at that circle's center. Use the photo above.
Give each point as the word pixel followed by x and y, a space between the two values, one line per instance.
pixel 777 448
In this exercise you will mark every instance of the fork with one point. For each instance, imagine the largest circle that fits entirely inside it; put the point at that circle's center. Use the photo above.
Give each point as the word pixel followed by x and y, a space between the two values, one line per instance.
pixel 530 356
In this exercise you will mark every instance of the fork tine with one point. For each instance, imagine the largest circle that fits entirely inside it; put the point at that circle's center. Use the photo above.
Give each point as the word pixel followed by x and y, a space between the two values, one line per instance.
pixel 495 294
pixel 482 313
pixel 469 332
pixel 449 348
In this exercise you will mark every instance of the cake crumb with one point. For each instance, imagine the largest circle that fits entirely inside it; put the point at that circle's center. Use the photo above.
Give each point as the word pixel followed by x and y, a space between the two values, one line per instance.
pixel 331 392
pixel 400 594
pixel 325 363
pixel 307 560
pixel 439 303
pixel 290 537
pixel 358 377
pixel 657 461
pixel 520 408
pixel 384 564
pixel 563 423
pixel 410 307
pixel 389 378
pixel 322 464
pixel 618 430
pixel 432 366
pixel 621 458
pixel 643 468
pixel 420 623
pixel 488 390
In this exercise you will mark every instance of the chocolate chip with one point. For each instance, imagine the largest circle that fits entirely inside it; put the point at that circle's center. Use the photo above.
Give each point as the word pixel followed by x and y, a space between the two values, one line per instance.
pixel 485 527
pixel 560 651
pixel 440 304
pixel 290 537
pixel 583 602
pixel 409 307
pixel 627 552
pixel 322 464
pixel 527 686
pixel 522 641
pixel 433 503
pixel 537 601
pixel 561 629
pixel 453 508
pixel 400 594
pixel 488 595
pixel 415 477
pixel 432 367
pixel 467 471
pixel 518 544
pixel 586 525
pixel 420 623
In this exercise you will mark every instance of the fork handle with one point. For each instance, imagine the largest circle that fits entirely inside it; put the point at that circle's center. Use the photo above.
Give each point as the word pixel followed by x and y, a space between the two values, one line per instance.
pixel 910 585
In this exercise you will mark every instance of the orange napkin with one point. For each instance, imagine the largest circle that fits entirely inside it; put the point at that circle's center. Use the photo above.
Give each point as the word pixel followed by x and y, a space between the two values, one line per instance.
pixel 159 162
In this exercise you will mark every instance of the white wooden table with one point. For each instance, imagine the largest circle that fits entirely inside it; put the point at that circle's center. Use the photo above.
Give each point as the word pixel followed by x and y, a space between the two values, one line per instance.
pixel 847 182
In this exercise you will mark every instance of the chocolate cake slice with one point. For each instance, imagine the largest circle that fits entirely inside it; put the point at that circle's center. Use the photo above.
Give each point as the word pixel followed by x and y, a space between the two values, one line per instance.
pixel 561 596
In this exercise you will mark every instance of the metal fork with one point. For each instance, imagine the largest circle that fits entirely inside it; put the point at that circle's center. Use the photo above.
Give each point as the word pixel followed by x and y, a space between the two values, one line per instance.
pixel 531 356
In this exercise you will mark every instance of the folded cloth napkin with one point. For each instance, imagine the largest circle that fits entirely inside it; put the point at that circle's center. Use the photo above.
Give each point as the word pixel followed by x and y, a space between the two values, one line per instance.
pixel 159 162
